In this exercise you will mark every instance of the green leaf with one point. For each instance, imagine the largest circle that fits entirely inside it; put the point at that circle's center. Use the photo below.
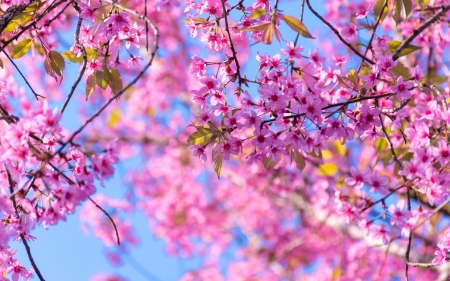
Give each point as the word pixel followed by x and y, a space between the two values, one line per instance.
pixel 327 169
pixel 218 165
pixel 394 45
pixel 299 160
pixel 201 136
pixel 297 26
pixel 21 48
pixel 102 78
pixel 381 8
pixel 256 14
pixel 115 81
pixel 57 62
pixel 114 117
pixel 90 86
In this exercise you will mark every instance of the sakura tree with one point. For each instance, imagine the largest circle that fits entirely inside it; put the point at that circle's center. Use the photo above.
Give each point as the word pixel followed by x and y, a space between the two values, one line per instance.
pixel 296 163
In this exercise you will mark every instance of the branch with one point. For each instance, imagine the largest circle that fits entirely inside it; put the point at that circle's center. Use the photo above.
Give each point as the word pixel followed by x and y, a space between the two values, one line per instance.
pixel 105 105
pixel 418 31
pixel 238 68
pixel 338 34
pixel 109 217
pixel 22 237
pixel 11 13
pixel 83 50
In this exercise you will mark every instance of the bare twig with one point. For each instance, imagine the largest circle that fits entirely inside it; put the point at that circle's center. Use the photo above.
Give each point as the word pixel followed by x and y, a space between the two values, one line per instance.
pixel 238 67
pixel 22 237
pixel 83 50
pixel 109 217
pixel 338 34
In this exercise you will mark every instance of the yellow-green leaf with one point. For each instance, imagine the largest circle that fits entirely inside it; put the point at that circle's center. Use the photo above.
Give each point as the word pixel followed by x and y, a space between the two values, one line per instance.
pixel 401 70
pixel 218 165
pixel 38 48
pixel 257 27
pixel 327 169
pixel 381 8
pixel 201 136
pixel 269 163
pixel 298 26
pixel 353 76
pixel 115 81
pixel 102 78
pixel 90 86
pixel 423 3
pixel 58 63
pixel 394 45
pixel 336 273
pixel 299 160
pixel 114 117
pixel 381 144
pixel 267 35
pixel 21 48
pixel 340 148
pixel 70 56
pixel 256 14
pixel 48 68
pixel 402 10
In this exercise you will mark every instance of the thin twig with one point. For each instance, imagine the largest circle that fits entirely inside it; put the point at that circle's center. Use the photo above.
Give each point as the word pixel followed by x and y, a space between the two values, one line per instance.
pixel 369 45
pixel 22 237
pixel 338 34
pixel 37 96
pixel 83 50
pixel 109 217
pixel 418 31
pixel 238 67
pixel 140 74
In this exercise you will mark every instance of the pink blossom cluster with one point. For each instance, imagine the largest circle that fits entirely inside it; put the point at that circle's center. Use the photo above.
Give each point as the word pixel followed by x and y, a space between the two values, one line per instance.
pixel 442 250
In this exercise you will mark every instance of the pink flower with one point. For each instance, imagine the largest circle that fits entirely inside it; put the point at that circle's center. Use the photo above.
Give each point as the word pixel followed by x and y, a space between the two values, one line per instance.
pixel 398 217
pixel 371 78
pixel 118 21
pixel 251 119
pixel 363 10
pixel 199 151
pixel 357 178
pixel 441 255
pixel 312 108
pixel 315 58
pixel 261 139
pixel 402 88
pixel 17 270
pixel 380 232
pixel 378 183
pixel 292 51
pixel 92 66
pixel 349 31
